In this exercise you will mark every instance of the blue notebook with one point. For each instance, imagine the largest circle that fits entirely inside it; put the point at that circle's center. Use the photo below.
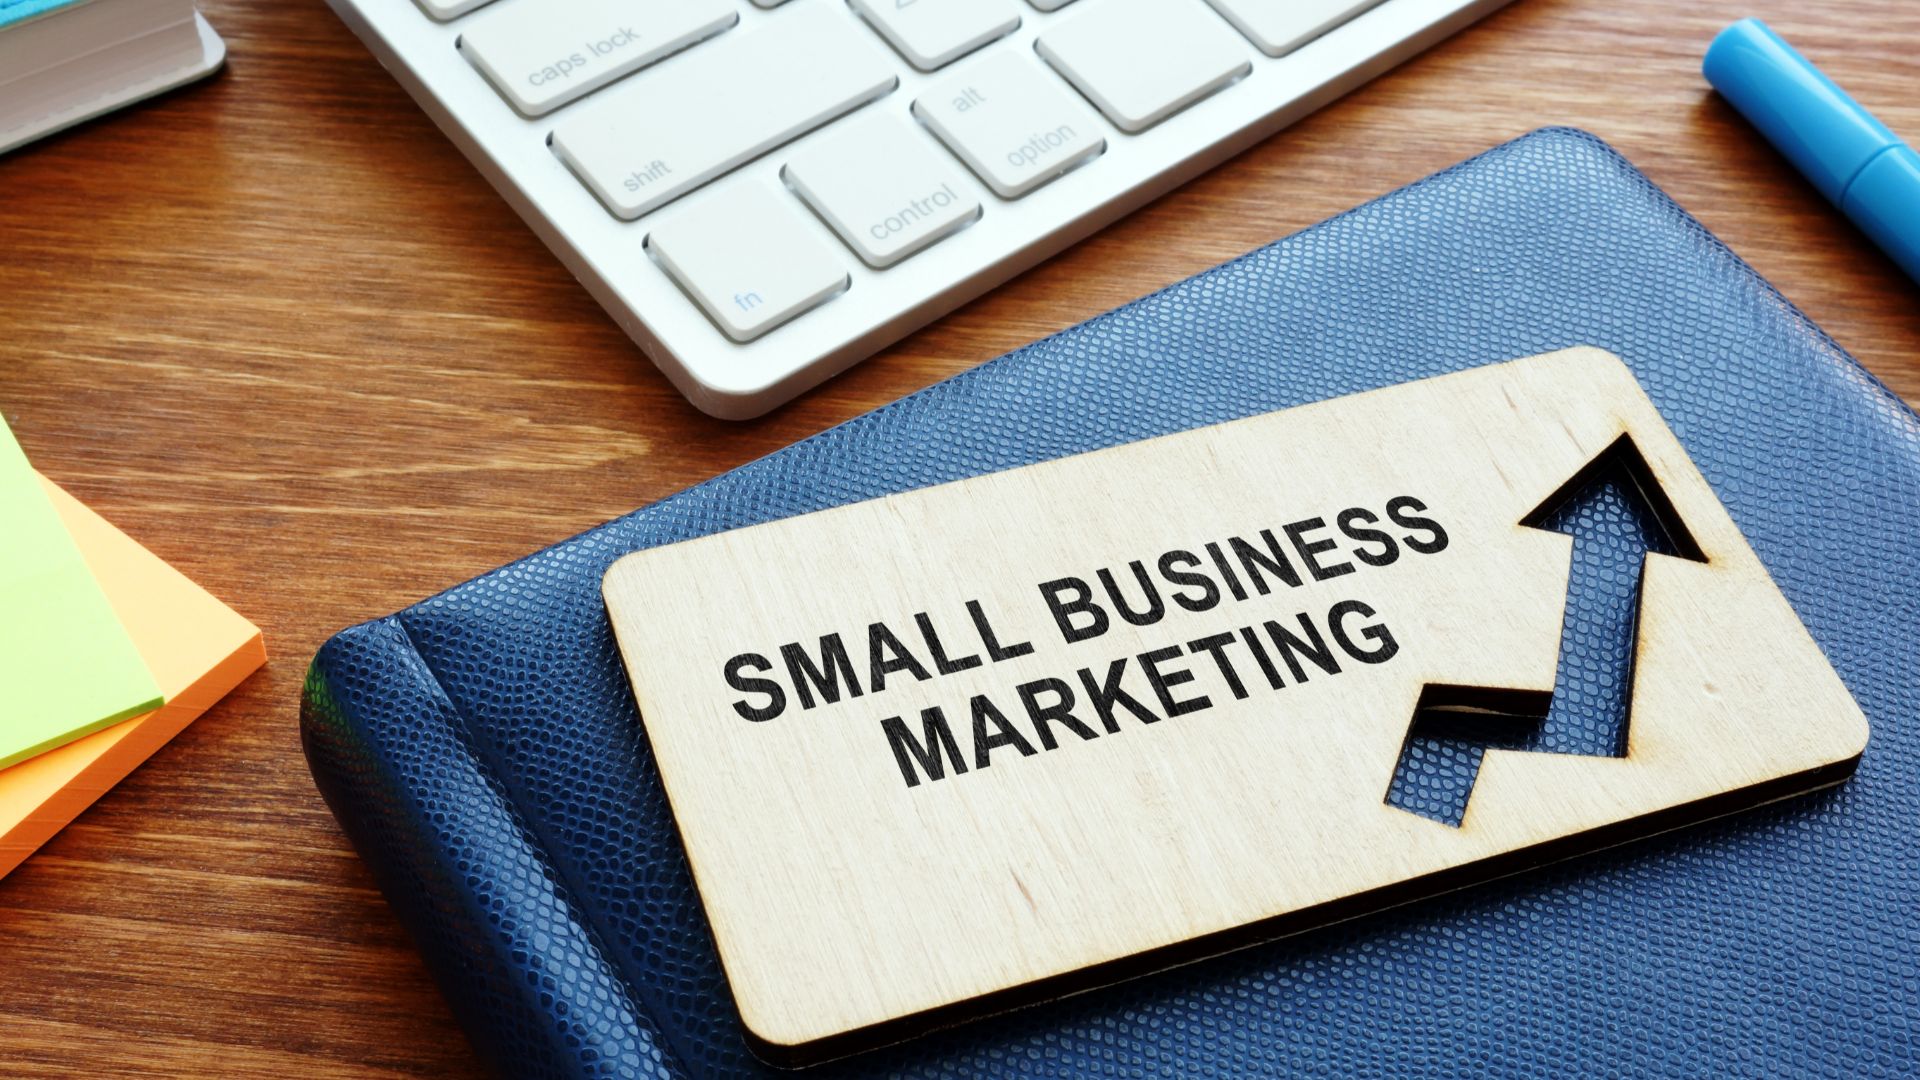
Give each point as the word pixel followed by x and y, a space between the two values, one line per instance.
pixel 482 750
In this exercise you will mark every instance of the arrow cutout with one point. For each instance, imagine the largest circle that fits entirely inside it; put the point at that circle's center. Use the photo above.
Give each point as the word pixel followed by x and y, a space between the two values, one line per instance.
pixel 1617 515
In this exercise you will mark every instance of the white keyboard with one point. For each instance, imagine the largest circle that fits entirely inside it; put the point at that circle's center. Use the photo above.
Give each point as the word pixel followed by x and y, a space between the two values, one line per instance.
pixel 763 194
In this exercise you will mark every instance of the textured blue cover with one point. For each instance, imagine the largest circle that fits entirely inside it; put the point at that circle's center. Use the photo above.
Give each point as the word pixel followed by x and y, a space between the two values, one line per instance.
pixel 482 751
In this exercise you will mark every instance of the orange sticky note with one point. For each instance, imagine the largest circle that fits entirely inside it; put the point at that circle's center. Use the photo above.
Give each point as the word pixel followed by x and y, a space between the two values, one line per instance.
pixel 197 648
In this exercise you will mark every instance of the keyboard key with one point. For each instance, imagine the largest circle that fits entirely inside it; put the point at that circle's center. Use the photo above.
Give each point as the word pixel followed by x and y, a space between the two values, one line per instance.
pixel 1014 124
pixel 541 54
pixel 1050 5
pixel 1277 27
pixel 933 33
pixel 1141 61
pixel 883 187
pixel 656 137
pixel 750 257
pixel 447 9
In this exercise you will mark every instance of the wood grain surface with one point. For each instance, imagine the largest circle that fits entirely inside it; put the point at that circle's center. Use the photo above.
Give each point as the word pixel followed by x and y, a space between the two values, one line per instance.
pixel 277 329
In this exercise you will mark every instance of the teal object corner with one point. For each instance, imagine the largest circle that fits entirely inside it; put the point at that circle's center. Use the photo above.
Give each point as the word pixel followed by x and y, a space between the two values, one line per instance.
pixel 13 12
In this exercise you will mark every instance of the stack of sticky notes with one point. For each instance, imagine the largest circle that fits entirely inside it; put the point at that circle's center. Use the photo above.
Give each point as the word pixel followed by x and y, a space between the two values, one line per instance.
pixel 106 652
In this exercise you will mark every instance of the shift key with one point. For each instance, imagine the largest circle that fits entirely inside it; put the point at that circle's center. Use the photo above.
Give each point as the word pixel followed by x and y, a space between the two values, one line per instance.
pixel 544 53
pixel 659 135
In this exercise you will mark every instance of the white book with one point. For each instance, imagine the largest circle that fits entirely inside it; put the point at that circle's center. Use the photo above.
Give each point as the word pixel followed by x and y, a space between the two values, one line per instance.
pixel 66 61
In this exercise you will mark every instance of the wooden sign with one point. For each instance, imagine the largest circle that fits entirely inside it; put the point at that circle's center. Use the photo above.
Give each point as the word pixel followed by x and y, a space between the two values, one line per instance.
pixel 957 749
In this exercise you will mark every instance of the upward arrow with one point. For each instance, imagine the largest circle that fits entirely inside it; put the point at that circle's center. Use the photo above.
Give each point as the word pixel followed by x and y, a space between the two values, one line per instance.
pixel 1617 516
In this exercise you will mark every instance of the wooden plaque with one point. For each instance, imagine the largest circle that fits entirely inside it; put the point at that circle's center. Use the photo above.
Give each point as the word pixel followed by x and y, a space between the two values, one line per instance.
pixel 957 749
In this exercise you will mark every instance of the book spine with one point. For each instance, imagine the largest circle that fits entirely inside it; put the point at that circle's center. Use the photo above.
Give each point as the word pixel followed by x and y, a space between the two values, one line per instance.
pixel 459 869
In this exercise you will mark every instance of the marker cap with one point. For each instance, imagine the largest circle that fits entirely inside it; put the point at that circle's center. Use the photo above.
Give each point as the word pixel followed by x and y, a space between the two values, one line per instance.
pixel 1884 200
pixel 1825 133
pixel 1850 156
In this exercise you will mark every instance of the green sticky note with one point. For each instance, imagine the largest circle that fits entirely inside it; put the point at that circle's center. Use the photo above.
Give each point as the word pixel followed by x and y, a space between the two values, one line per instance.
pixel 67 666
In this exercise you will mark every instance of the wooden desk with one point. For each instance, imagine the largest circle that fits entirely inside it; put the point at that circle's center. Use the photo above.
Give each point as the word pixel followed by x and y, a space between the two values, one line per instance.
pixel 277 329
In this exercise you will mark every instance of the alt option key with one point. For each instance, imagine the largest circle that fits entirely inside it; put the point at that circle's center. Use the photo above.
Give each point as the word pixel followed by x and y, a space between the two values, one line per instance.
pixel 1012 122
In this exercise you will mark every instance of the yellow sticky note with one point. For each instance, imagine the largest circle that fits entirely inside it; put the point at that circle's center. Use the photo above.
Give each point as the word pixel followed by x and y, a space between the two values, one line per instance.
pixel 197 648
pixel 67 666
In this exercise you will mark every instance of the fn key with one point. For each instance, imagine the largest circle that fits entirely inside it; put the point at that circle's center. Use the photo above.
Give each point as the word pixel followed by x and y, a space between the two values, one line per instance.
pixel 748 256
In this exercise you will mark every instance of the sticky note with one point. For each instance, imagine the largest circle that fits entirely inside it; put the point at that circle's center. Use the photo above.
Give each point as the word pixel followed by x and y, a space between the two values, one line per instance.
pixel 197 648
pixel 67 666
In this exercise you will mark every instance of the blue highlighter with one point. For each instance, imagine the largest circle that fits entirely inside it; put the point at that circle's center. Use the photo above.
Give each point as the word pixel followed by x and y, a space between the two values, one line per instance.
pixel 1851 157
